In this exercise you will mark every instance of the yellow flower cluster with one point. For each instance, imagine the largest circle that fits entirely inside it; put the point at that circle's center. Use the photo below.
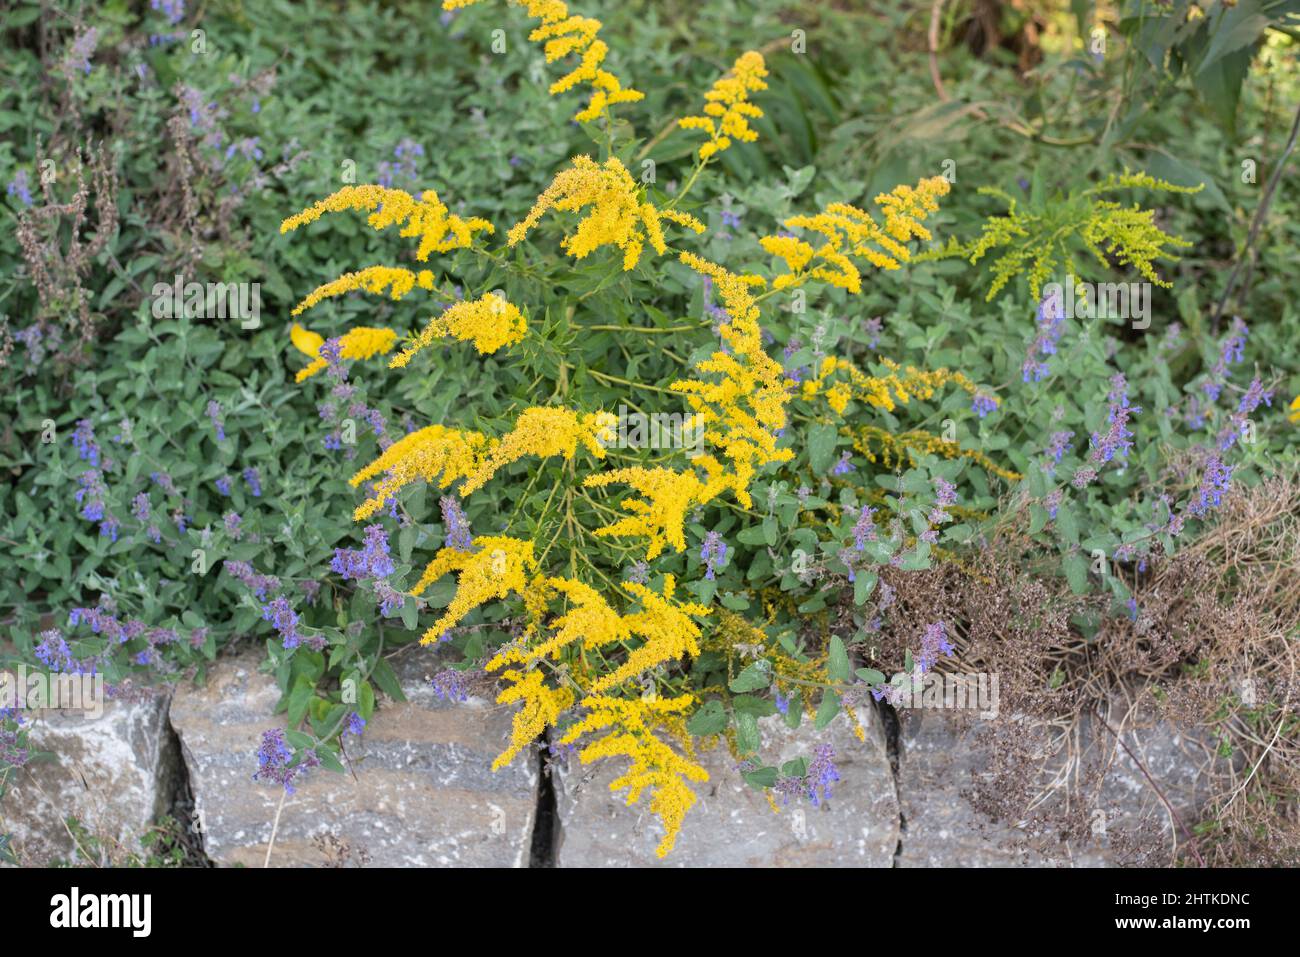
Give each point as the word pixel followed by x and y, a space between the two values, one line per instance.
pixel 490 322
pixel 667 633
pixel 848 230
pixel 543 706
pixel 876 444
pixel 1294 413
pixel 590 622
pixel 655 765
pixel 373 279
pixel 727 109
pixel 745 408
pixel 359 343
pixel 500 566
pixel 425 218
pixel 544 432
pixel 666 627
pixel 659 516
pixel 428 454
pixel 881 391
pixel 617 217
pixel 565 35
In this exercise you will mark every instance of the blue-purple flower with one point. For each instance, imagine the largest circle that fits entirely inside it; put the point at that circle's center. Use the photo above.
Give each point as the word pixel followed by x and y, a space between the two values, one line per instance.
pixel 214 415
pixel 458 535
pixel 713 552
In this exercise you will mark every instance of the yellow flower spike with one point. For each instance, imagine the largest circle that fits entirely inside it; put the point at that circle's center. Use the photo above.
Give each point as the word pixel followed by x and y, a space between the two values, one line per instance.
pixel 490 322
pixel 374 279
pixel 1294 414
pixel 795 252
pixel 848 230
pixel 545 432
pixel 590 622
pixel 542 708
pixel 877 444
pixel 500 566
pixel 666 627
pixel 615 214
pixel 660 515
pixel 682 219
pixel 655 766
pixel 426 218
pixel 563 35
pixel 745 408
pixel 727 108
pixel 359 343
pixel 435 453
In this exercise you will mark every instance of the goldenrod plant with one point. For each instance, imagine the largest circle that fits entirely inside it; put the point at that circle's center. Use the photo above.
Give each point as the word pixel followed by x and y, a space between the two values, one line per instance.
pixel 592 654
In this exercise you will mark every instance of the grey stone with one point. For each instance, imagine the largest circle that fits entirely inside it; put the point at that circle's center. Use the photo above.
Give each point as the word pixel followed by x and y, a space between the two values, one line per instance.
pixel 423 795
pixel 115 774
pixel 733 825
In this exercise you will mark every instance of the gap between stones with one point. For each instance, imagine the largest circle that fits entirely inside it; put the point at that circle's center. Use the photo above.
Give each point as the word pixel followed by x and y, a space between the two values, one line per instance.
pixel 894 751
pixel 180 801
pixel 546 821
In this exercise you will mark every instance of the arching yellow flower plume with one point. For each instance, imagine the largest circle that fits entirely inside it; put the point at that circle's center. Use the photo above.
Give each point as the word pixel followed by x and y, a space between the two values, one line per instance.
pixel 490 322
pixel 727 109
pixel 434 453
pixel 745 408
pixel 564 35
pixel 655 767
pixel 849 231
pixel 882 392
pixel 359 343
pixel 616 214
pixel 543 706
pixel 426 218
pixel 500 566
pixel 544 432
pixel 659 516
pixel 589 622
pixel 666 627
pixel 374 279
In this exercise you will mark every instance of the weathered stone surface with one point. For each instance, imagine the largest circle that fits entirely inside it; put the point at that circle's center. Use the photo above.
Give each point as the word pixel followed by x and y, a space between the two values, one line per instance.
pixel 115 774
pixel 940 760
pixel 423 796
pixel 731 824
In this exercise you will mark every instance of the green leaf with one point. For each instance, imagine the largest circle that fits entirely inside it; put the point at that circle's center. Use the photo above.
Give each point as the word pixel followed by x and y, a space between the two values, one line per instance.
pixel 747 737
pixel 387 681
pixel 298 740
pixel 709 718
pixel 863 586
pixel 794 712
pixel 299 698
pixel 1037 518
pixel 821 447
pixel 329 762
pixel 1076 572
pixel 827 710
pixel 871 676
pixel 756 676
pixel 838 665
pixel 1066 524
pixel 760 779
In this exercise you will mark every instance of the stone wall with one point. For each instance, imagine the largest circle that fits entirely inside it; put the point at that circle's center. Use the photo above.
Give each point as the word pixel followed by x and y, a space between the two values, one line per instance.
pixel 421 792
